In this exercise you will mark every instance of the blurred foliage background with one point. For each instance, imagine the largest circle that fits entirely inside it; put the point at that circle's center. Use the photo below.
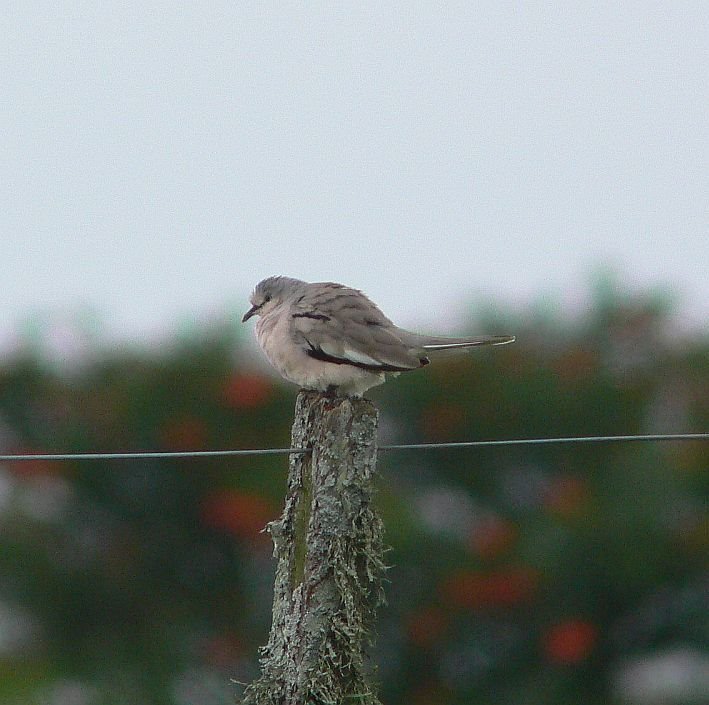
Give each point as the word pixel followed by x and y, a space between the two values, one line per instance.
pixel 548 574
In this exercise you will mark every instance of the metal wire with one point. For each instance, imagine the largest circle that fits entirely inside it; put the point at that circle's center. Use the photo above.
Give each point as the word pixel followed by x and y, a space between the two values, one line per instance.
pixel 405 446
pixel 545 441
pixel 152 454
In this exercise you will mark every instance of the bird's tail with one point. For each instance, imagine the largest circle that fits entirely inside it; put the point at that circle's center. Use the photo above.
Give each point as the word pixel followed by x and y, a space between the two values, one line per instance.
pixel 438 343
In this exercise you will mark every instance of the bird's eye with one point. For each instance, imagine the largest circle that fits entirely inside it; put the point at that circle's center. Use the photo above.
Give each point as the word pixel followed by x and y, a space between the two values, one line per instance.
pixel 267 299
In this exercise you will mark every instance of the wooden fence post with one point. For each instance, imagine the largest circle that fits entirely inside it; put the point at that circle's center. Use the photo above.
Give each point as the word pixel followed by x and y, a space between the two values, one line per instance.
pixel 329 550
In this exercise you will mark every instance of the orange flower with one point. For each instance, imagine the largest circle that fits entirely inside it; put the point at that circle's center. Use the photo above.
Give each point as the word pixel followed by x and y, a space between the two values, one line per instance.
pixel 492 536
pixel 33 468
pixel 494 589
pixel 570 642
pixel 247 391
pixel 243 514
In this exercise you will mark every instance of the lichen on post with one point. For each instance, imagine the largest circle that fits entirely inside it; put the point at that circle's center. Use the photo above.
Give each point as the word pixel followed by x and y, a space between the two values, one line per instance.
pixel 328 545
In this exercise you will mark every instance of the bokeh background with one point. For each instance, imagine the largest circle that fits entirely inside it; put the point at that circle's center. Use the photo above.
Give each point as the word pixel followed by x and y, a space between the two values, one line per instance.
pixel 533 168
pixel 519 574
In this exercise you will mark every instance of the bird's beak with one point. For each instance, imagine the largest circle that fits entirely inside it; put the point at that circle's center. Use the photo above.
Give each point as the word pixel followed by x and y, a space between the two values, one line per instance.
pixel 249 313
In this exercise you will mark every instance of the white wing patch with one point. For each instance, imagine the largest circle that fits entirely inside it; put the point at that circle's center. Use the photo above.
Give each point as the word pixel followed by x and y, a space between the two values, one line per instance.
pixel 359 356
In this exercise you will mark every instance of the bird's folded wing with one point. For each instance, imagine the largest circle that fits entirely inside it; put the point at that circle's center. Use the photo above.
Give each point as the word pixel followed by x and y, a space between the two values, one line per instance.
pixel 341 325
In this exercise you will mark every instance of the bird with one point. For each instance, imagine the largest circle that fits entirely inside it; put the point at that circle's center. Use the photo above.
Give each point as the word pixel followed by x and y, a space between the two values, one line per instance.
pixel 331 338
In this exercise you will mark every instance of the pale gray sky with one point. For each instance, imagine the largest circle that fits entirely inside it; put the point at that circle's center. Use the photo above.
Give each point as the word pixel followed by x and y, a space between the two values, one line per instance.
pixel 159 159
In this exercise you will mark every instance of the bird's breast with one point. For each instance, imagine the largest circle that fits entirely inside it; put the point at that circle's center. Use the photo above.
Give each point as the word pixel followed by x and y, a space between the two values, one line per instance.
pixel 273 336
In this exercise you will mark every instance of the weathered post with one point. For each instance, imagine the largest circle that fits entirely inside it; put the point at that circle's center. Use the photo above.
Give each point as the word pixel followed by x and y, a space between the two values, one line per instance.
pixel 328 545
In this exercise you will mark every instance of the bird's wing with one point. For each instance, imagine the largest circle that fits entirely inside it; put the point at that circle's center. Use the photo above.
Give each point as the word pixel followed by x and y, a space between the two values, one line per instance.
pixel 341 325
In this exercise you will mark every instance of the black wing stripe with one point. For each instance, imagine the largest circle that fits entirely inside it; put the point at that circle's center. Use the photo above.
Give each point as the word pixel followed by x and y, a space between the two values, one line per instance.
pixel 319 354
pixel 315 316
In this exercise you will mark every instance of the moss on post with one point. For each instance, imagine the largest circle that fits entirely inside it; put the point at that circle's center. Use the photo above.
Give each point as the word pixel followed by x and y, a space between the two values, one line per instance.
pixel 329 550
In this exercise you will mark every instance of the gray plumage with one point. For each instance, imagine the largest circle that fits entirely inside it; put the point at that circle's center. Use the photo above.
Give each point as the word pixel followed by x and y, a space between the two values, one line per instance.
pixel 327 336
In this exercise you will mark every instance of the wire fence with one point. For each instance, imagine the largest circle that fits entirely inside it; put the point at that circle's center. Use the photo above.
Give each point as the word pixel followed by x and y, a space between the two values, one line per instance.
pixel 60 457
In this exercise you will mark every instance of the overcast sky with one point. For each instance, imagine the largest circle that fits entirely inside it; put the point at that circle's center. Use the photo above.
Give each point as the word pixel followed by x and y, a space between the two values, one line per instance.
pixel 159 159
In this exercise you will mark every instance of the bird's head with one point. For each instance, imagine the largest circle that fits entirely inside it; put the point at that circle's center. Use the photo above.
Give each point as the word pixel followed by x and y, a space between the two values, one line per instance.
pixel 270 293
